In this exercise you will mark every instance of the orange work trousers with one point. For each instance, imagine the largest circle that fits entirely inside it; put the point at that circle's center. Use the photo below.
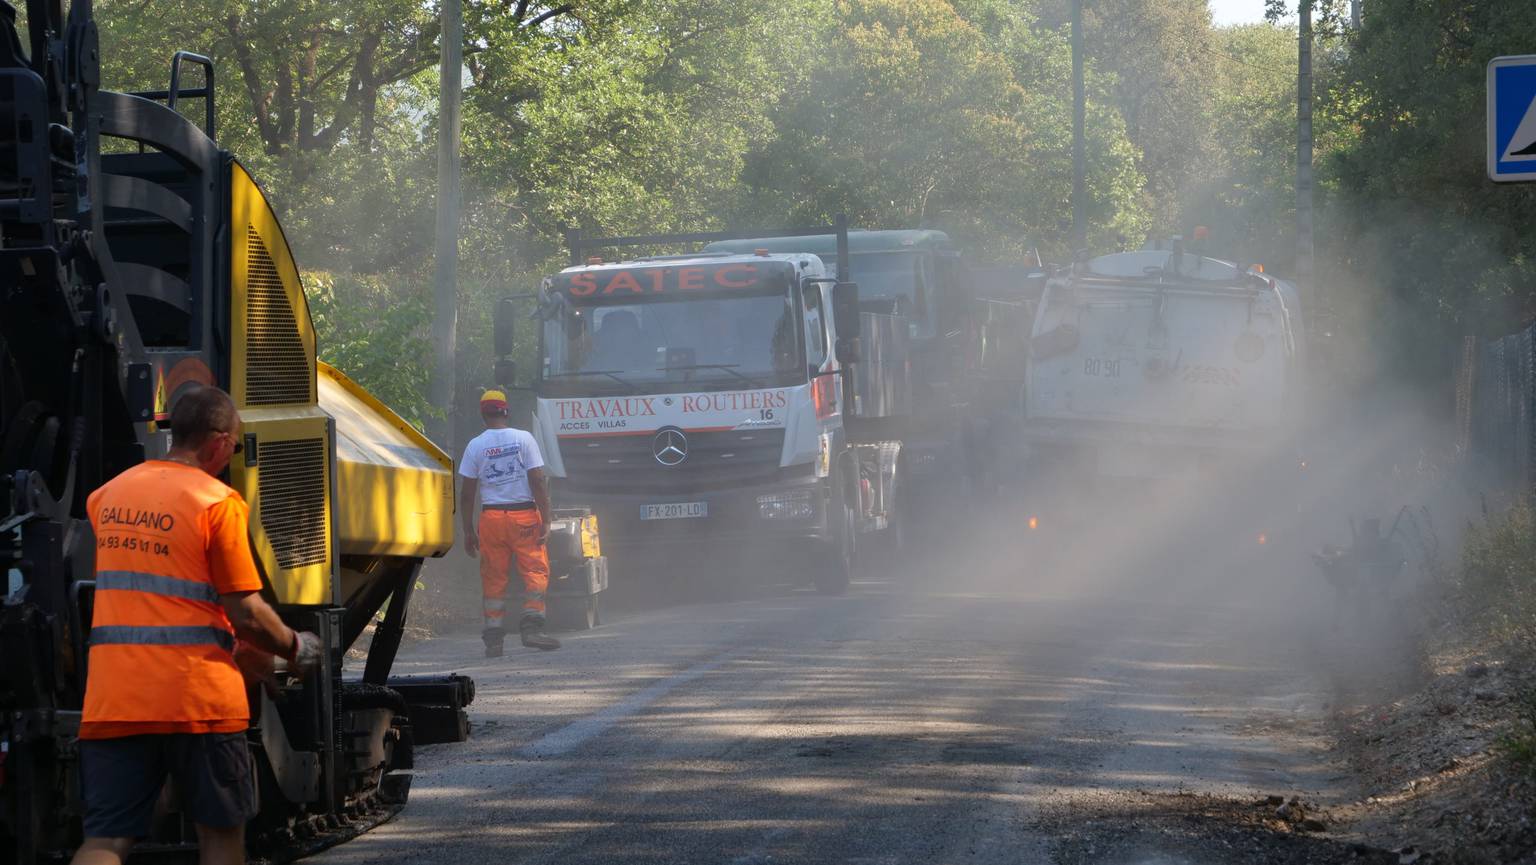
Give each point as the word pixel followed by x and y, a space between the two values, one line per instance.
pixel 506 536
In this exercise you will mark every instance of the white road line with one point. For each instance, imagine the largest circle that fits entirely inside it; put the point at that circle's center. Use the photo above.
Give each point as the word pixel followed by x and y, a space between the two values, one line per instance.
pixel 572 736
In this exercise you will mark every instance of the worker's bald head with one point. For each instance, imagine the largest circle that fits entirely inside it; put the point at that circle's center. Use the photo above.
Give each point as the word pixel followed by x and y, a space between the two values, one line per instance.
pixel 200 414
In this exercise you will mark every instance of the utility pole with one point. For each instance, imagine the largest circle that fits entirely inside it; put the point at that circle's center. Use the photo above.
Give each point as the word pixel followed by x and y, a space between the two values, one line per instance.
pixel 1304 256
pixel 440 392
pixel 1354 14
pixel 1079 131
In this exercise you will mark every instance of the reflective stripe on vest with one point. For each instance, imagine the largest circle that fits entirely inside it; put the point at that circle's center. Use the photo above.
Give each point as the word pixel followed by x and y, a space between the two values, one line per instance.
pixel 156 584
pixel 162 635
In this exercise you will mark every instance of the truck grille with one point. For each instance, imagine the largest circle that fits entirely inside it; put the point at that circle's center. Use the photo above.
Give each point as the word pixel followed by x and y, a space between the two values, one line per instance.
pixel 277 366
pixel 716 460
pixel 292 489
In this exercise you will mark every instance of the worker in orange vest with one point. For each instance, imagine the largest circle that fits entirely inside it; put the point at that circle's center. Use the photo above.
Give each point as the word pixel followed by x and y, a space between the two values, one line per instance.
pixel 175 588
pixel 503 466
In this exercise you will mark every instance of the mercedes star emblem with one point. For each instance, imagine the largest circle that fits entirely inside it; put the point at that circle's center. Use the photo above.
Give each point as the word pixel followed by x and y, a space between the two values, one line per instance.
pixel 670 447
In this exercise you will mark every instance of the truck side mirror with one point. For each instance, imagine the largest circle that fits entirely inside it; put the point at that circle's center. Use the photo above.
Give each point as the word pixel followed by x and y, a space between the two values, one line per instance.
pixel 502 330
pixel 845 310
pixel 847 349
pixel 505 373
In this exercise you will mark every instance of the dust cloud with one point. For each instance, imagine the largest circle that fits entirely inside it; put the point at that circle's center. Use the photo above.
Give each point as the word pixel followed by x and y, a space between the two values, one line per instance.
pixel 1244 540
pixel 1238 541
pixel 1227 556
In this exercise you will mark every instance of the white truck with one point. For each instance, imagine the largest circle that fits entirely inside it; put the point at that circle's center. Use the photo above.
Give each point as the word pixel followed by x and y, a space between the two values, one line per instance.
pixel 1155 363
pixel 702 402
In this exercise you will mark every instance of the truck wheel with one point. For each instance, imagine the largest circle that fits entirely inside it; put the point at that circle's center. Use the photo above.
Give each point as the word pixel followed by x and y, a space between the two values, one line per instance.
pixel 836 568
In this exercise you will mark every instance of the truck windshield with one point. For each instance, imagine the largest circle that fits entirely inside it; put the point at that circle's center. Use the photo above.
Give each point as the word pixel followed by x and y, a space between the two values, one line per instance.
pixel 675 344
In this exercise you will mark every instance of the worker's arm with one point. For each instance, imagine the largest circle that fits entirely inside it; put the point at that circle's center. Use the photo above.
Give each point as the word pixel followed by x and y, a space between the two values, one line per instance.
pixel 539 484
pixel 257 623
pixel 235 578
pixel 468 489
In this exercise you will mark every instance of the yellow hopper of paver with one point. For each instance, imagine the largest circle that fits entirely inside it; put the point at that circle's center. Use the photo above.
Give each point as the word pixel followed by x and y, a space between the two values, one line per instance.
pixel 408 512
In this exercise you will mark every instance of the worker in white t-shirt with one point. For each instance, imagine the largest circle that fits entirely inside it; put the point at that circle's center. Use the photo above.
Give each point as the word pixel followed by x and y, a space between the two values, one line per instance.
pixel 504 467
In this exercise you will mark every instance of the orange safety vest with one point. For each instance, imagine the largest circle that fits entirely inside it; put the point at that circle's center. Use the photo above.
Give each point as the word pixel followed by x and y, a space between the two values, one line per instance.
pixel 161 646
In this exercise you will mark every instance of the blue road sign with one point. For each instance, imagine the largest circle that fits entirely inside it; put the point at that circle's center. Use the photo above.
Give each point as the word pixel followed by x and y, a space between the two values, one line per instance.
pixel 1512 118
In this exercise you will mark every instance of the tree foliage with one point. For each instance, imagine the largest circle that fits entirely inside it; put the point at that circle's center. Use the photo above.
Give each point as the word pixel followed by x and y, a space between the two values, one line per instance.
pixel 657 115
pixel 634 124
pixel 1163 77
pixel 1413 217
pixel 1244 186
pixel 362 326
pixel 928 113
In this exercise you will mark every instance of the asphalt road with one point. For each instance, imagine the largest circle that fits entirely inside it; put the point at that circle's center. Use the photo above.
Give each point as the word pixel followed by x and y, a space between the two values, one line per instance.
pixel 994 713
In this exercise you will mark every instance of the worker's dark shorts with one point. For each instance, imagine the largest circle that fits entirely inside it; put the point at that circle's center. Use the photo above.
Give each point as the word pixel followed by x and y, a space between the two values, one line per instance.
pixel 121 781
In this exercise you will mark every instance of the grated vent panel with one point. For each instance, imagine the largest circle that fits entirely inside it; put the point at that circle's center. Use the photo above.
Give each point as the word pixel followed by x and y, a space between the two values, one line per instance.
pixel 292 488
pixel 277 366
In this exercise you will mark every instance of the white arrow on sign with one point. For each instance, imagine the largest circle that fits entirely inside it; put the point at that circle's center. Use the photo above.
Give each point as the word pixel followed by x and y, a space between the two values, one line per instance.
pixel 1522 145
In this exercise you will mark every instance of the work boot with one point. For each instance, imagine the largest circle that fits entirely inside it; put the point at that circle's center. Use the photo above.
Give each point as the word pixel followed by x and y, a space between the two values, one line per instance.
pixel 493 638
pixel 532 629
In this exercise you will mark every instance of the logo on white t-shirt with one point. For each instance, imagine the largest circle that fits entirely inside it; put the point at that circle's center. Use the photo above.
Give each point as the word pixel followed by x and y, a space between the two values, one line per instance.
pixel 502 464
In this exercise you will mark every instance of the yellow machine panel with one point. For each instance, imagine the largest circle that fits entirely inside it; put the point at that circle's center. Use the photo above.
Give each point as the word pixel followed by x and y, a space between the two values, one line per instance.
pixel 336 481
pixel 288 489
pixel 408 509
pixel 286 472
pixel 590 547
pixel 274 340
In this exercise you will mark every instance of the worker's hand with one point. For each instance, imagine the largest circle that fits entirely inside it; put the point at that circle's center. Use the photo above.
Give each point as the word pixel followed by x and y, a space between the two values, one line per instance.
pixel 544 533
pixel 308 653
pixel 472 544
pixel 257 666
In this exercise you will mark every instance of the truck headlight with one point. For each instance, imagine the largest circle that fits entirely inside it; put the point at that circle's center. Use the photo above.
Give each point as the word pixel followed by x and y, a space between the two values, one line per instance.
pixel 796 505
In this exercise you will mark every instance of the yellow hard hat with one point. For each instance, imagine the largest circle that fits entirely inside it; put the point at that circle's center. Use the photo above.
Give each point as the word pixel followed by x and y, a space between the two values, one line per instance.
pixel 493 400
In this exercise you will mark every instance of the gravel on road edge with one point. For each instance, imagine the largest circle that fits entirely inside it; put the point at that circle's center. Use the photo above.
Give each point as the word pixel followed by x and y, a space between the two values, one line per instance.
pixel 1441 785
